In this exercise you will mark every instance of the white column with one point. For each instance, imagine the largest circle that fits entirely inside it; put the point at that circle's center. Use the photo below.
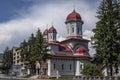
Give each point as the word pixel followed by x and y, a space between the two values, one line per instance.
pixel 77 73
pixel 49 67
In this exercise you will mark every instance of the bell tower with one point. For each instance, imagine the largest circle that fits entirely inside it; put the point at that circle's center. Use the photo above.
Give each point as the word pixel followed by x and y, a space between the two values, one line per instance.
pixel 74 25
pixel 52 33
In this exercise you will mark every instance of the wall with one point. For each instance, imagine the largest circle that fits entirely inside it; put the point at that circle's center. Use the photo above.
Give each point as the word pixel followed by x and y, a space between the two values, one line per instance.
pixel 65 67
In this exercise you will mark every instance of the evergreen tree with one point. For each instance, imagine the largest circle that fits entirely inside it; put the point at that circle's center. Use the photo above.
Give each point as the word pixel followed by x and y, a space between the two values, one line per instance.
pixel 7 59
pixel 31 42
pixel 24 51
pixel 39 51
pixel 106 39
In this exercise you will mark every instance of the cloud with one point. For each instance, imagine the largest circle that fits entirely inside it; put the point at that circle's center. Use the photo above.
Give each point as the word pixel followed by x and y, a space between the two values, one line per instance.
pixel 88 34
pixel 39 15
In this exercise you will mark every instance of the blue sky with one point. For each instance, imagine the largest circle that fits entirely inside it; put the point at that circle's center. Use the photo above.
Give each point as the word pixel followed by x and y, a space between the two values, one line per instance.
pixel 20 18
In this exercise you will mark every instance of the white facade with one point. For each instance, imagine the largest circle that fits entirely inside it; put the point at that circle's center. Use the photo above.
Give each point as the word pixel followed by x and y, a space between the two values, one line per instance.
pixel 68 57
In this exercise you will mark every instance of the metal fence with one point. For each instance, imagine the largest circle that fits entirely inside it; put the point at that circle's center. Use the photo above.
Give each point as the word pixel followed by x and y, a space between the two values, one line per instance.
pixel 97 78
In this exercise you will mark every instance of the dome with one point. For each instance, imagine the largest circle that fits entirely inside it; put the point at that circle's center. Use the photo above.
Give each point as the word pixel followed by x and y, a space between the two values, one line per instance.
pixel 74 16
pixel 45 32
pixel 52 30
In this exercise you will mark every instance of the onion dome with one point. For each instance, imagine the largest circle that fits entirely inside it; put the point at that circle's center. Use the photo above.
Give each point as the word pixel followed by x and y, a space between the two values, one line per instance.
pixel 52 30
pixel 45 32
pixel 80 51
pixel 74 16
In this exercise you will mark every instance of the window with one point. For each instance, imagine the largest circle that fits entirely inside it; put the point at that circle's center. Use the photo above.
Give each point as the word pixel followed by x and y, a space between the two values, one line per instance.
pixel 77 30
pixel 50 36
pixel 81 66
pixel 54 67
pixel 70 67
pixel 72 30
pixel 17 61
pixel 14 58
pixel 62 66
pixel 17 56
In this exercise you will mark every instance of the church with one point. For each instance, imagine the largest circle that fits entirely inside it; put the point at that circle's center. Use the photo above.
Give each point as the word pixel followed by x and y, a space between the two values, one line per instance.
pixel 68 57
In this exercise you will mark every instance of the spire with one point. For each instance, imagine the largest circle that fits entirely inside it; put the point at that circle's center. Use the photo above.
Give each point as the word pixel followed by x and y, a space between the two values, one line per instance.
pixel 74 6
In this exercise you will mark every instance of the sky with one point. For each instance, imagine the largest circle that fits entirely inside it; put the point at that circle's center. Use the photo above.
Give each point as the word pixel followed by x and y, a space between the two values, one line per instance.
pixel 20 18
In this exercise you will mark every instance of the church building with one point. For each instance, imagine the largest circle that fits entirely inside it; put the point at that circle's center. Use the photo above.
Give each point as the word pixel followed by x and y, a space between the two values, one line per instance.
pixel 68 57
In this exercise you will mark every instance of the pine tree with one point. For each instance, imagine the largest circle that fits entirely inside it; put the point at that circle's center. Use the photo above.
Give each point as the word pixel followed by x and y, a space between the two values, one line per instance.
pixel 39 49
pixel 106 39
pixel 7 59
pixel 24 51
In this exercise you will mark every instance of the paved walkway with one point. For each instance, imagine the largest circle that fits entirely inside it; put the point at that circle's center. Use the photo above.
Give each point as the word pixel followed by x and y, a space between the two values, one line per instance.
pixel 5 77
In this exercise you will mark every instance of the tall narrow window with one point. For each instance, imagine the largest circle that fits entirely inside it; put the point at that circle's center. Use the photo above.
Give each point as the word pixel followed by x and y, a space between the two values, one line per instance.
pixel 77 30
pixel 72 29
pixel 81 66
pixel 54 67
pixel 70 67
pixel 62 66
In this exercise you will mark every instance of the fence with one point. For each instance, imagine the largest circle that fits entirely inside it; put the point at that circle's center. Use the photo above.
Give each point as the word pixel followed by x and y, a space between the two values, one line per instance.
pixel 97 78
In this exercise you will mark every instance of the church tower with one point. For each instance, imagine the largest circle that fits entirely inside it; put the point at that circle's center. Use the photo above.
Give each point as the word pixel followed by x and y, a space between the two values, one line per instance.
pixel 52 33
pixel 74 25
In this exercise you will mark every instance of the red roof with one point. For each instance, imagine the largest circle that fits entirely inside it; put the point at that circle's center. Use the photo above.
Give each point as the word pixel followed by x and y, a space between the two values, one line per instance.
pixel 74 16
pixel 80 51
pixel 69 55
pixel 45 32
pixel 52 30
pixel 75 39
pixel 64 47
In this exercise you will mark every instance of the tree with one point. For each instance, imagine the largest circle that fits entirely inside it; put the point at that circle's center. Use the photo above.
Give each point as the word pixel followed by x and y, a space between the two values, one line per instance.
pixel 91 69
pixel 39 49
pixel 7 59
pixel 24 51
pixel 107 33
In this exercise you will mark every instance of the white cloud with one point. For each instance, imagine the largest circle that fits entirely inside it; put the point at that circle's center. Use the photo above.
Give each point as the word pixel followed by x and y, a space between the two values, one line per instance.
pixel 88 34
pixel 16 30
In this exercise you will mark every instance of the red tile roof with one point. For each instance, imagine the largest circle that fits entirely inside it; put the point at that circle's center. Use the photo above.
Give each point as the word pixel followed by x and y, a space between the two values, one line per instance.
pixel 74 16
pixel 69 55
pixel 75 39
